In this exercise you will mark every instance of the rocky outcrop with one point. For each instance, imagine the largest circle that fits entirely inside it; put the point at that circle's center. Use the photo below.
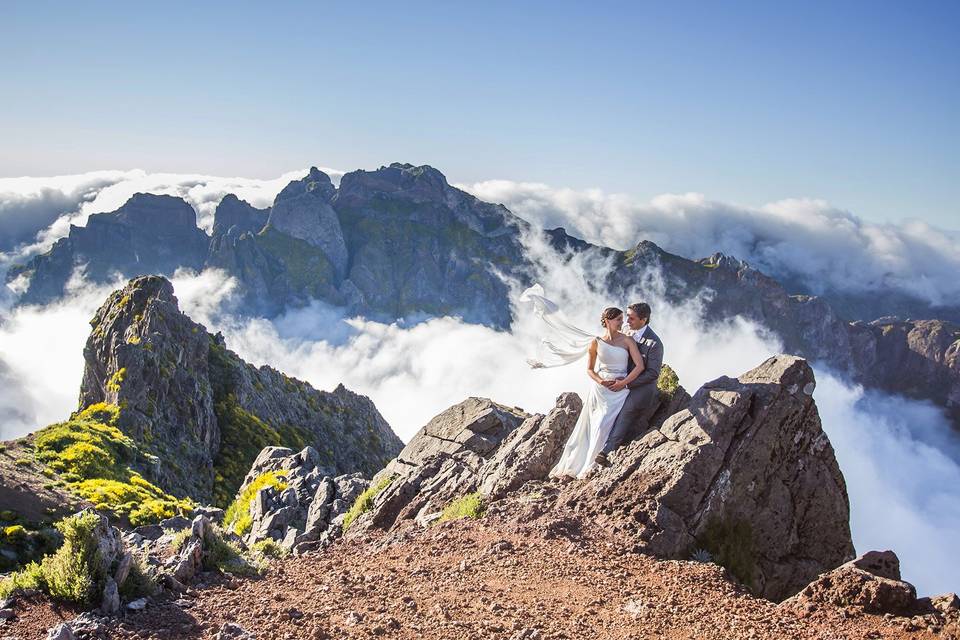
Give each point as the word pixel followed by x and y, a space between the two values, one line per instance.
pixel 303 211
pixel 477 425
pixel 742 469
pixel 308 513
pixel 746 472
pixel 202 412
pixel 531 450
pixel 236 216
pixel 871 583
pixel 148 234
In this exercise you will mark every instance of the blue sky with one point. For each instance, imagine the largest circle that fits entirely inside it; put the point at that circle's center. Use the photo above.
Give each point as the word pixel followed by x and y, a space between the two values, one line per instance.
pixel 856 103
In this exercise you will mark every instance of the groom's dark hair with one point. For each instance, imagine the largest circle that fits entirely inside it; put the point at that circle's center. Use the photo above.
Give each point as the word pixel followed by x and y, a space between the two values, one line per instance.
pixel 642 309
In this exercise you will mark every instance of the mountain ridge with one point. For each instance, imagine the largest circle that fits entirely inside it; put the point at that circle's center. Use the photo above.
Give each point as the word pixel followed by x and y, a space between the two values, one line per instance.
pixel 399 241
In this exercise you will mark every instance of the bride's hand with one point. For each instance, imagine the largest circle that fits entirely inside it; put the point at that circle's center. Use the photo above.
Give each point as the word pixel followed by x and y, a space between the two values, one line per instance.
pixel 607 383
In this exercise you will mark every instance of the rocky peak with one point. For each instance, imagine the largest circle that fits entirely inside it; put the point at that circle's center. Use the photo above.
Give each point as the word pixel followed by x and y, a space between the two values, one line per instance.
pixel 303 211
pixel 316 183
pixel 420 183
pixel 722 261
pixel 202 412
pixel 161 212
pixel 238 215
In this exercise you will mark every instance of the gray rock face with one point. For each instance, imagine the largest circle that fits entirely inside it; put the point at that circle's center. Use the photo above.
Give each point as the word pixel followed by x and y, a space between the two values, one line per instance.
pixel 198 408
pixel 308 513
pixel 530 451
pixel 745 471
pixel 303 211
pixel 148 234
pixel 237 216
pixel 477 425
pixel 474 443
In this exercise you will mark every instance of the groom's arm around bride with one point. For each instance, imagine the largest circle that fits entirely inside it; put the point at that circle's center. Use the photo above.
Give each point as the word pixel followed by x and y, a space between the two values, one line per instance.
pixel 641 402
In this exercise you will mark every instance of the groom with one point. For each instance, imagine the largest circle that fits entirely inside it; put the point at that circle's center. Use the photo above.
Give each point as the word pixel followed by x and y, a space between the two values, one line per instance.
pixel 642 399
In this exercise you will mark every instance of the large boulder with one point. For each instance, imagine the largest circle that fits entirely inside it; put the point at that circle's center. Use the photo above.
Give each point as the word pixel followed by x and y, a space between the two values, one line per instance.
pixel 745 472
pixel 530 451
pixel 477 425
pixel 871 583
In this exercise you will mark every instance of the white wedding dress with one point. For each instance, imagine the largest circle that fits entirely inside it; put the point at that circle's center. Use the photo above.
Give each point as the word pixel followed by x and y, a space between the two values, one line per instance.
pixel 601 406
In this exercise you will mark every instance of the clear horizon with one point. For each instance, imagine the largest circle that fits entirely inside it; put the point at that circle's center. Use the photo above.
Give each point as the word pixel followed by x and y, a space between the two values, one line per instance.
pixel 747 103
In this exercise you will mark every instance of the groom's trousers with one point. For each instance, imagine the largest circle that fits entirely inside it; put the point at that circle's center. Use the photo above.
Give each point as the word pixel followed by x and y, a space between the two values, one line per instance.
pixel 634 418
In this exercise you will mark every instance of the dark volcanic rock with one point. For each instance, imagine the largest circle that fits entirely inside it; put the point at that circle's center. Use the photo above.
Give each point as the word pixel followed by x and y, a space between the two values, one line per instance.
pixel 148 234
pixel 204 412
pixel 238 216
pixel 745 472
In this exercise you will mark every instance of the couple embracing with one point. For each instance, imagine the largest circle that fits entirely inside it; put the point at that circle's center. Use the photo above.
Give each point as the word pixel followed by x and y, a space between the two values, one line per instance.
pixel 623 365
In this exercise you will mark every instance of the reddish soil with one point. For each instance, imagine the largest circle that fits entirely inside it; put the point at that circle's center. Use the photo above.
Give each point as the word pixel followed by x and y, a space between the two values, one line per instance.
pixel 484 579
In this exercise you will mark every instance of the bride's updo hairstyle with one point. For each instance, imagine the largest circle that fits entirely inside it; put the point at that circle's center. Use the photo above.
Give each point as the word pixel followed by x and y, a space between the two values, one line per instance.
pixel 609 314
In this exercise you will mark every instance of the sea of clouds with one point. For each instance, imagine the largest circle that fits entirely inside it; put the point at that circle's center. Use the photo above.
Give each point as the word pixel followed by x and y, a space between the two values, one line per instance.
pixel 808 240
pixel 899 457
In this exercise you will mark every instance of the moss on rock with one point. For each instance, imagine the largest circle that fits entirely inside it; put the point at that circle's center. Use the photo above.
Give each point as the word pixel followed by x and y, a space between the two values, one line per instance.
pixel 96 461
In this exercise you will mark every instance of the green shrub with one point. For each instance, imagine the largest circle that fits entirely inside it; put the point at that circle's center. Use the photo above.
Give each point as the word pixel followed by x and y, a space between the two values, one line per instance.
pixel 468 506
pixel 668 382
pixel 269 549
pixel 364 501
pixel 730 542
pixel 113 384
pixel 179 538
pixel 138 584
pixel 226 556
pixel 237 516
pixel 30 577
pixel 74 572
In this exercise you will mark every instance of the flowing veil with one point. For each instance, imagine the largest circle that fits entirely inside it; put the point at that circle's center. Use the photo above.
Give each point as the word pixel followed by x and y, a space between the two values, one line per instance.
pixel 569 344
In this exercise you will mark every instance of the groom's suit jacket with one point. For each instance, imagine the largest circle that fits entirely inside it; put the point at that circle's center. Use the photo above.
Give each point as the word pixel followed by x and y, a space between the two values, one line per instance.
pixel 651 350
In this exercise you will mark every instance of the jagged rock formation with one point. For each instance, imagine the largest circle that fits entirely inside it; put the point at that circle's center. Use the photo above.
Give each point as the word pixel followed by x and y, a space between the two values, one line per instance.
pixel 400 241
pixel 916 358
pixel 203 412
pixel 746 464
pixel 871 582
pixel 309 512
pixel 742 468
pixel 477 425
pixel 148 234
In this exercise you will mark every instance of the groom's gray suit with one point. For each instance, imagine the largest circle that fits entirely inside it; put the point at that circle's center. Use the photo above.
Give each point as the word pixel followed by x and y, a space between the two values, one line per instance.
pixel 641 402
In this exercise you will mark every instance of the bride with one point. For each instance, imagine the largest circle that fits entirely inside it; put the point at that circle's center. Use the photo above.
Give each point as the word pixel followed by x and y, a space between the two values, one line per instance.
pixel 608 389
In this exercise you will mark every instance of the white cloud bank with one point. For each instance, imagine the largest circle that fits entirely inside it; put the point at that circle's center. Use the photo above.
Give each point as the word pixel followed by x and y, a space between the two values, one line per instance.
pixel 38 211
pixel 824 247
